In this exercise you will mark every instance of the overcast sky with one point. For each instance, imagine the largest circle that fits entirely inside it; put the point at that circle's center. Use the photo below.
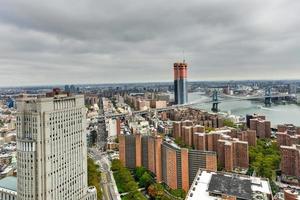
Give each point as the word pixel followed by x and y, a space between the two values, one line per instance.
pixel 107 41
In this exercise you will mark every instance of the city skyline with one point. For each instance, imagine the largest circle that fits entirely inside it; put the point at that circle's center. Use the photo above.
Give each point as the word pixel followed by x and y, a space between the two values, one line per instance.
pixel 106 42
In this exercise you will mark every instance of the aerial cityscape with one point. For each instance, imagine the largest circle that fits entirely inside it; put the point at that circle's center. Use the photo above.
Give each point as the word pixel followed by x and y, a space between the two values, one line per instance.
pixel 131 100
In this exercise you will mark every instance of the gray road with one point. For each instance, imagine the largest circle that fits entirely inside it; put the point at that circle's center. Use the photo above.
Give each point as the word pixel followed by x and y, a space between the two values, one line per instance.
pixel 107 183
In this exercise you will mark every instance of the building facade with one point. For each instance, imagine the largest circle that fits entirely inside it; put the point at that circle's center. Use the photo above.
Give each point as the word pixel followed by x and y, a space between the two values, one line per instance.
pixel 171 164
pixel 230 145
pixel 290 160
pixel 51 148
pixel 180 83
pixel 261 126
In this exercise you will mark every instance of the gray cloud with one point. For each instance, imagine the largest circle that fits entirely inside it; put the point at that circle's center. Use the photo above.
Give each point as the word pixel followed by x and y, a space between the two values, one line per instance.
pixel 94 41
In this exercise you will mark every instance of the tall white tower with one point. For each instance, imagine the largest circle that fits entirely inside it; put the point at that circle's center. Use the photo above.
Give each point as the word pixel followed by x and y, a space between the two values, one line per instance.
pixel 51 148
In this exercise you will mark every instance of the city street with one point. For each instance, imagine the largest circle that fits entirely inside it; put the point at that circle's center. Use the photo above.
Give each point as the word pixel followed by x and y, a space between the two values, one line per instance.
pixel 108 185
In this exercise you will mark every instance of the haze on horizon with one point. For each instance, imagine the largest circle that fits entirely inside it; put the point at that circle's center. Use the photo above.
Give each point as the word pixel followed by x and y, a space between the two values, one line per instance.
pixel 97 41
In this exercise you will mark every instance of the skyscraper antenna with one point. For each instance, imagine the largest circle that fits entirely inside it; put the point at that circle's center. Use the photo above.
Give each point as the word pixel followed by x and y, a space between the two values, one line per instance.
pixel 183 58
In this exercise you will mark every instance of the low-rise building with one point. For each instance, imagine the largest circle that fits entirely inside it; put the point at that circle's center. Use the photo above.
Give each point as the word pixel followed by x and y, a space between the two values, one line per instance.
pixel 8 188
pixel 291 194
pixel 227 186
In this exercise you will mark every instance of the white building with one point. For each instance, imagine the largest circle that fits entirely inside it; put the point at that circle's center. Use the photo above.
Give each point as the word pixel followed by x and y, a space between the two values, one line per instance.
pixel 217 186
pixel 111 127
pixel 51 148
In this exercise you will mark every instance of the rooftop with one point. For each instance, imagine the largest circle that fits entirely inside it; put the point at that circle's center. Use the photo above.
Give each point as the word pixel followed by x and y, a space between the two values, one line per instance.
pixel 9 183
pixel 212 185
pixel 230 185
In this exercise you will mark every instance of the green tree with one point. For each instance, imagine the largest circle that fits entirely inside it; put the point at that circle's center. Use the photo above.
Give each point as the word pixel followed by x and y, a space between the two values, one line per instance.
pixel 209 129
pixel 264 158
pixel 94 177
pixel 156 190
pixel 138 172
pixel 178 193
pixel 229 123
pixel 116 165
pixel 131 186
pixel 146 180
pixel 134 195
pixel 125 182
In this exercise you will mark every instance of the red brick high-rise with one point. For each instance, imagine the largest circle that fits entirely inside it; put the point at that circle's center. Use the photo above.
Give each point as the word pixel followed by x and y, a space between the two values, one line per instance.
pixel 248 136
pixel 262 127
pixel 171 164
pixel 290 160
pixel 233 154
pixel 177 130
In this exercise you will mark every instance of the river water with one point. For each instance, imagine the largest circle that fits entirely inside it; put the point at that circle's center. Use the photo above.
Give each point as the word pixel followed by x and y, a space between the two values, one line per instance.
pixel 277 114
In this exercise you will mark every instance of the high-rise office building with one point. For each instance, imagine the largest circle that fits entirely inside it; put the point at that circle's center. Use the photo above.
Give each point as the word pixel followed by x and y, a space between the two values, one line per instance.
pixel 51 148
pixel 180 83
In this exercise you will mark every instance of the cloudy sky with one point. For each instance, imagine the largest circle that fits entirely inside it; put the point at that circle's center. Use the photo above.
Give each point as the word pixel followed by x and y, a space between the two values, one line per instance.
pixel 105 41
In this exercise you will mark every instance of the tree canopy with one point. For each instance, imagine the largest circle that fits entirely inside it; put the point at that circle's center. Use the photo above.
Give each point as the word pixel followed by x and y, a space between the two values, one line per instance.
pixel 264 158
pixel 94 177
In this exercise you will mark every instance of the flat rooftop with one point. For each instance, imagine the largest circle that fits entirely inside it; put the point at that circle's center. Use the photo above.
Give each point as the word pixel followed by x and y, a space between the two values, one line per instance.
pixel 212 185
pixel 230 185
pixel 9 183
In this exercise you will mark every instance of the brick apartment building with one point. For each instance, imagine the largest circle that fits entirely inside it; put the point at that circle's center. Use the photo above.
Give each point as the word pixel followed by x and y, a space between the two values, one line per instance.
pixel 172 165
pixel 194 116
pixel 290 160
pixel 233 154
pixel 230 145
pixel 288 134
pixel 261 126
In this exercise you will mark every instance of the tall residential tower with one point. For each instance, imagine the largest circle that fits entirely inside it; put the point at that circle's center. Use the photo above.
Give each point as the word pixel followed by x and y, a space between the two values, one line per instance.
pixel 51 148
pixel 180 83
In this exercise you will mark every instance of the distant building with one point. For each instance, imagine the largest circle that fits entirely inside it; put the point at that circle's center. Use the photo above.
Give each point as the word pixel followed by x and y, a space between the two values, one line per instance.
pixel 292 88
pixel 51 148
pixel 262 127
pixel 289 128
pixel 285 139
pixel 225 186
pixel 10 103
pixel 158 104
pixel 91 99
pixel 253 116
pixel 180 83
pixel 113 127
pixel 67 88
pixel 143 104
pixel 71 89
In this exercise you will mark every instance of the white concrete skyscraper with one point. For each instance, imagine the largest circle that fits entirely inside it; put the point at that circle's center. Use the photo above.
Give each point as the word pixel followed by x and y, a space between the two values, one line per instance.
pixel 51 148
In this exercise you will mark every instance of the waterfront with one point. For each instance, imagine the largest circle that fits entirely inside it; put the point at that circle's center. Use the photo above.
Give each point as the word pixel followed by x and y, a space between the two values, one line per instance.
pixel 277 114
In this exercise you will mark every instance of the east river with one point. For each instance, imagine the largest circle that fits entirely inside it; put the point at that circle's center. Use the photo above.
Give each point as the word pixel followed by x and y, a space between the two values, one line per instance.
pixel 277 114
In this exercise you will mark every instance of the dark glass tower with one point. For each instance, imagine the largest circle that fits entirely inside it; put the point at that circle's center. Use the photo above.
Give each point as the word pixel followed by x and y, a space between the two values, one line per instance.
pixel 180 83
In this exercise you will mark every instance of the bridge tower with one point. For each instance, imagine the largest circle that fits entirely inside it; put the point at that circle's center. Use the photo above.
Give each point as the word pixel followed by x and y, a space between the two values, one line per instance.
pixel 268 97
pixel 215 101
